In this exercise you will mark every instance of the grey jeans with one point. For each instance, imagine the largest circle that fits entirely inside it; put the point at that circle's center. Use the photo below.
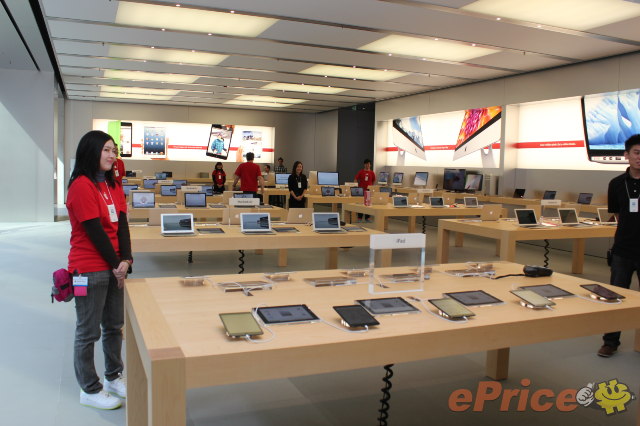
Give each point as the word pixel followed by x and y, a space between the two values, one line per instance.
pixel 622 270
pixel 102 307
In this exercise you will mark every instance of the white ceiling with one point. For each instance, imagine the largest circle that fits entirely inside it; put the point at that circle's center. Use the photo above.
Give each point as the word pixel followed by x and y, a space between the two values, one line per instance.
pixel 305 33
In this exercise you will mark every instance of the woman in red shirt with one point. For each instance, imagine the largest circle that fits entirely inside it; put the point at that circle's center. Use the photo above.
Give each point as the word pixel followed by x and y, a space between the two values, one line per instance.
pixel 99 258
pixel 219 178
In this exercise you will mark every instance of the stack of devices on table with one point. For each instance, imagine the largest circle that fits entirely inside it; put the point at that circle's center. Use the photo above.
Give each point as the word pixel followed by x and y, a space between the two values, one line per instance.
pixel 452 306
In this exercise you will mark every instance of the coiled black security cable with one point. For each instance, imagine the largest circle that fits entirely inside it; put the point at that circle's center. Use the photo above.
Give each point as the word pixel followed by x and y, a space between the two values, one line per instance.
pixel 386 396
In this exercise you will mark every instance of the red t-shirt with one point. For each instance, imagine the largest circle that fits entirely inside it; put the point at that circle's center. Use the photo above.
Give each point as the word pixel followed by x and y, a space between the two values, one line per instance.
pixel 119 170
pixel 219 177
pixel 248 173
pixel 85 202
pixel 365 178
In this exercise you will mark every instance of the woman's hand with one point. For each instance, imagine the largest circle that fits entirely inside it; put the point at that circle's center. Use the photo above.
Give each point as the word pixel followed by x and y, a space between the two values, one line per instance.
pixel 121 273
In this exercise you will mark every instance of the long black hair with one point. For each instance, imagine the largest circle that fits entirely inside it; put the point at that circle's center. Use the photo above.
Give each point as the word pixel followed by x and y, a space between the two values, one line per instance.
pixel 295 166
pixel 88 157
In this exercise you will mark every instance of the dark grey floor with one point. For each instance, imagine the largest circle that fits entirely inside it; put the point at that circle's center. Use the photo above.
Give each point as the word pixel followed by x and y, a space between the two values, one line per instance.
pixel 39 388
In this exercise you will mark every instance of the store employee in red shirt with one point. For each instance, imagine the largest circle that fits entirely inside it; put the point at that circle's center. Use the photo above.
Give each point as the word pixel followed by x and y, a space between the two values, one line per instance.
pixel 99 259
pixel 250 175
pixel 364 178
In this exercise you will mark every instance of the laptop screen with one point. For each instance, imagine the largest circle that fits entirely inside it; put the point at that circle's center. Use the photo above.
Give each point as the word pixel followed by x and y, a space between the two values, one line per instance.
pixel 127 188
pixel 400 202
pixel 549 195
pixel 606 217
pixel 282 178
pixel 526 216
pixel 149 183
pixel 585 198
pixel 326 221
pixel 141 200
pixel 470 201
pixel 328 191
pixel 356 191
pixel 436 201
pixel 518 193
pixel 255 222
pixel 207 189
pixel 568 216
pixel 168 190
pixel 195 199
pixel 179 182
pixel 177 223
pixel 385 189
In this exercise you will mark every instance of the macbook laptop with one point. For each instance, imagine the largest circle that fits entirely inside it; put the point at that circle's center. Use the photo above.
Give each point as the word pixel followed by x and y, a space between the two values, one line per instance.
pixel 255 223
pixel 143 199
pixel 128 188
pixel 380 198
pixel 168 190
pixel 195 199
pixel 471 202
pixel 490 212
pixel 527 218
pixel 357 191
pixel 176 224
pixel 179 182
pixel 326 222
pixel 149 183
pixel 231 216
pixel 549 195
pixel 436 201
pixel 328 191
pixel 585 198
pixel 607 218
pixel 569 217
pixel 386 189
pixel 519 193
pixel 400 201
pixel 299 215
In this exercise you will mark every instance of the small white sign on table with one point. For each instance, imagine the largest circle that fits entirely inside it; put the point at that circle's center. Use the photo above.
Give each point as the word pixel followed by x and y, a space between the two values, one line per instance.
pixel 411 281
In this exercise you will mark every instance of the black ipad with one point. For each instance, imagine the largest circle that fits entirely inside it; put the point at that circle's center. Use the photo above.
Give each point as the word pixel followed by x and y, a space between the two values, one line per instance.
pixel 210 230
pixel 289 314
pixel 601 292
pixel 355 316
pixel 549 291
pixel 388 306
pixel 474 298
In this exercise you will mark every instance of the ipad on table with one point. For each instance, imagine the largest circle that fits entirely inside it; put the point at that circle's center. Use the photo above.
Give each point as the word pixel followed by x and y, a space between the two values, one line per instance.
pixel 290 314
pixel 388 306
pixel 474 298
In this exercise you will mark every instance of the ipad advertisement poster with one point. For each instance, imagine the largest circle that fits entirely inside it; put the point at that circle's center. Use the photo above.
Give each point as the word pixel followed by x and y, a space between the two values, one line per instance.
pixel 152 140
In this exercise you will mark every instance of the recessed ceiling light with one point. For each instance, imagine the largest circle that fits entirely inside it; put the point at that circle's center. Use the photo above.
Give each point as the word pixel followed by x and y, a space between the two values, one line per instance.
pixel 436 39
pixel 303 88
pixel 353 73
pixel 204 21
pixel 150 76
pixel 538 26
pixel 573 14
pixel 177 5
pixel 473 44
pixel 254 104
pixel 166 55
pixel 389 54
pixel 259 98
pixel 426 48
pixel 209 34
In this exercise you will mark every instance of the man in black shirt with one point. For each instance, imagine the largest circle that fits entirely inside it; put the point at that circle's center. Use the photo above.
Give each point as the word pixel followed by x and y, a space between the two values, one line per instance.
pixel 624 191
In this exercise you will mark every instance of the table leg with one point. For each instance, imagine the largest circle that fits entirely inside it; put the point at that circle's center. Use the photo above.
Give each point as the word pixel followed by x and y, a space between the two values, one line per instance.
pixel 497 366
pixel 282 257
pixel 259 251
pixel 497 247
pixel 411 226
pixel 331 261
pixel 577 264
pixel 137 380
pixel 379 222
pixel 459 239
pixel 383 258
pixel 386 223
pixel 442 248
pixel 507 248
pixel 334 207
pixel 167 392
pixel 636 344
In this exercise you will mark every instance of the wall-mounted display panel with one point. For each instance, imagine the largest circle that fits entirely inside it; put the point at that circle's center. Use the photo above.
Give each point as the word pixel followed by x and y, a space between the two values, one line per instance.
pixel 148 140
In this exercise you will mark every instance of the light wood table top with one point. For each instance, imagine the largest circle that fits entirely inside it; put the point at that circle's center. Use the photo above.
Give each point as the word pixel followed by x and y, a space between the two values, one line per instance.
pixel 508 233
pixel 277 213
pixel 175 340
pixel 334 200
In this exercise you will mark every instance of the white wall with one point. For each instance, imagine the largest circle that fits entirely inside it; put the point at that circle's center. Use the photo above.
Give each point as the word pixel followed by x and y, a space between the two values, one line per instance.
pixel 27 137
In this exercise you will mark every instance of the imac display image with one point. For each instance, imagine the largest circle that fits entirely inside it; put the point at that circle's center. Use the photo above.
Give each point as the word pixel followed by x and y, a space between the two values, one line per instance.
pixel 609 119
pixel 328 178
pixel 398 177
pixel 126 138
pixel 220 140
pixel 155 143
pixel 409 136
pixel 420 179
pixel 473 182
pixel 480 128
pixel 251 142
pixel 383 178
pixel 454 179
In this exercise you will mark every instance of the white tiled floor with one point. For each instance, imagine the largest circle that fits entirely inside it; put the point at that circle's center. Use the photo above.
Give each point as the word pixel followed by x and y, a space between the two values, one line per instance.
pixel 39 388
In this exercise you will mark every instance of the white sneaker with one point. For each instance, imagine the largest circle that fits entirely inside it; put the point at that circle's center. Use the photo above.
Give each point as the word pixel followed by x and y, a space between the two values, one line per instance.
pixel 116 387
pixel 101 400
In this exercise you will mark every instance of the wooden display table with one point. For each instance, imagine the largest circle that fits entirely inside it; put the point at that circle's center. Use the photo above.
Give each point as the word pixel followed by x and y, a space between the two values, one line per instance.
pixel 176 342
pixel 207 213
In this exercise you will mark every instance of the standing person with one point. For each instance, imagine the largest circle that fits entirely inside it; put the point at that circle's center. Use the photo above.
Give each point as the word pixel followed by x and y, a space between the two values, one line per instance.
pixel 364 178
pixel 101 254
pixel 280 168
pixel 297 186
pixel 219 178
pixel 249 175
pixel 118 170
pixel 624 191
